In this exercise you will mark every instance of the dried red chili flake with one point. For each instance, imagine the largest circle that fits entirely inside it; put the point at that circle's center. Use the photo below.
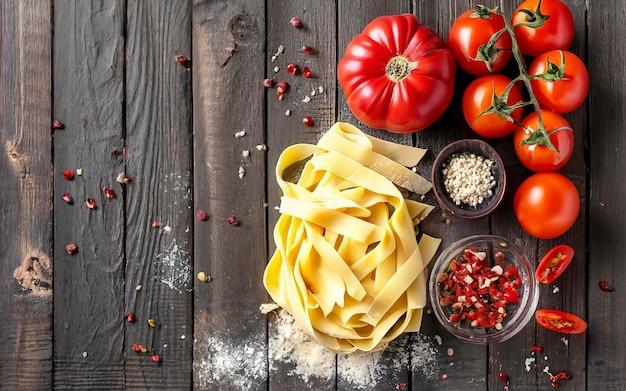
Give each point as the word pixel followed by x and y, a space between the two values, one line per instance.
pixel 307 50
pixel 67 198
pixel 183 61
pixel 308 121
pixel 292 69
pixel 281 88
pixel 296 22
pixel 306 72
pixel 91 203
pixel 401 386
pixel 605 286
pixel 554 379
pixel 71 248
pixel 537 349
pixel 130 317
pixel 68 174
pixel 137 348
pixel 156 358
pixel 202 215
pixel 269 83
pixel 503 377
pixel 232 220
pixel 58 124
pixel 108 192
pixel 122 178
pixel 156 224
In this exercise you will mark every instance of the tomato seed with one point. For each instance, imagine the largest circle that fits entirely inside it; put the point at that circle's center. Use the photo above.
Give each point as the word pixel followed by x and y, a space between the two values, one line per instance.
pixel 605 286
pixel 296 22
pixel 308 121
pixel 306 72
pixel 58 124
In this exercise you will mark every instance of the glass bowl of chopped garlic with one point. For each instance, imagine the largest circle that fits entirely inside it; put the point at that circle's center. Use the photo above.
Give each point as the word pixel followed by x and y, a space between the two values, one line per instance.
pixel 483 290
pixel 468 178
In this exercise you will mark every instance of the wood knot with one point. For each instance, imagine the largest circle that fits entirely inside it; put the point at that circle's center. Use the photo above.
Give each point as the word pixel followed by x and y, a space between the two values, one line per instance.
pixel 35 274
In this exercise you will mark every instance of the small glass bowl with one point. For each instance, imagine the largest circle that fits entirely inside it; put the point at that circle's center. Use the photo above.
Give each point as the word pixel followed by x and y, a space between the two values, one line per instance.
pixel 517 316
pixel 477 147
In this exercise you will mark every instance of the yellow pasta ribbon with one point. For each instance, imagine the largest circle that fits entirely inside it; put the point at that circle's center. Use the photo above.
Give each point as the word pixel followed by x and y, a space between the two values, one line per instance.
pixel 347 264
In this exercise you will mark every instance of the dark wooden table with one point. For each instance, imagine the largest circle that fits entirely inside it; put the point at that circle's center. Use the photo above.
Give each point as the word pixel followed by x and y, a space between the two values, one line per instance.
pixel 106 69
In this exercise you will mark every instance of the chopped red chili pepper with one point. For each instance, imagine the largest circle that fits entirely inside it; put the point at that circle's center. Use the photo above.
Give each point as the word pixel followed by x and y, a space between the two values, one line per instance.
pixel 130 317
pixel 606 286
pixel 477 292
pixel 156 358
pixel 537 349
pixel 138 348
pixel 503 377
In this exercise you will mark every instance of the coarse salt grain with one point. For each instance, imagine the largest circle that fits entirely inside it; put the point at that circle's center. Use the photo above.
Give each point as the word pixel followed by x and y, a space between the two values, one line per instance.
pixel 240 134
pixel 241 172
pixel 245 153
pixel 306 99
pixel 287 113
pixel 468 179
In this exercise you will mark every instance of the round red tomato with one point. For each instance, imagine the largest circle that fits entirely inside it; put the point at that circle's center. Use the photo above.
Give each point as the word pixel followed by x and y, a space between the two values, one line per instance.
pixel 479 96
pixel 560 321
pixel 557 31
pixel 529 142
pixel 469 32
pixel 565 81
pixel 554 263
pixel 546 205
pixel 397 75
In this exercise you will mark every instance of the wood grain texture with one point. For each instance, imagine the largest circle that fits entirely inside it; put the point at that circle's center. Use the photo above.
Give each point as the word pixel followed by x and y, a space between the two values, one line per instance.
pixel 318 32
pixel 89 94
pixel 159 142
pixel 607 212
pixel 25 191
pixel 228 70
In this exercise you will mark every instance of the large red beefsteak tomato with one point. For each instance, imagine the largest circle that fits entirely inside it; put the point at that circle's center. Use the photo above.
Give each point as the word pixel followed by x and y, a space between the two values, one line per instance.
pixel 397 75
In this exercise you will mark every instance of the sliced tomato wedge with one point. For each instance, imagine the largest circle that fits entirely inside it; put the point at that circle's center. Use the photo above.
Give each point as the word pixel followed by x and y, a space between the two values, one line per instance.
pixel 554 263
pixel 560 321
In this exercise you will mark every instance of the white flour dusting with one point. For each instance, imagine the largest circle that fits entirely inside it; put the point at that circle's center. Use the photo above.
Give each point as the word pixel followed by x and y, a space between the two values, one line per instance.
pixel 289 344
pixel 174 269
pixel 230 361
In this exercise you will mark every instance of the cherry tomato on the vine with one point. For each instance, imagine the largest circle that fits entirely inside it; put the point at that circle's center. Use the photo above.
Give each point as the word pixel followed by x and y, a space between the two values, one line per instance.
pixel 554 263
pixel 479 96
pixel 557 31
pixel 565 81
pixel 538 157
pixel 473 29
pixel 560 321
pixel 546 205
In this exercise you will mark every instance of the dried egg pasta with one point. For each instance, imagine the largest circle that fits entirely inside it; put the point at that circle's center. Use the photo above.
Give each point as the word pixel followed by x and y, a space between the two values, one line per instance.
pixel 347 265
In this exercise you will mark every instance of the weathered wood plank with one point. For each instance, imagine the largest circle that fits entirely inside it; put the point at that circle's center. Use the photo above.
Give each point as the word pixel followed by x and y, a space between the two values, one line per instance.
pixel 228 70
pixel 318 33
pixel 607 214
pixel 25 191
pixel 159 144
pixel 88 97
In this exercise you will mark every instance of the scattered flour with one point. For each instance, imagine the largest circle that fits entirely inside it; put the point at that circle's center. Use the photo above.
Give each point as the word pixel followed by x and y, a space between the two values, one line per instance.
pixel 289 344
pixel 230 362
pixel 174 269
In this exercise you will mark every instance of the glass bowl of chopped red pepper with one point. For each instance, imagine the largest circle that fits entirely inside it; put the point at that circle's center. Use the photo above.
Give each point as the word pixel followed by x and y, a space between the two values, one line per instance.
pixel 483 290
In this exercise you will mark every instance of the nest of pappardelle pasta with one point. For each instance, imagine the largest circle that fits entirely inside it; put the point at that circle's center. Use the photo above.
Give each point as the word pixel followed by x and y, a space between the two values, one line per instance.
pixel 348 265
